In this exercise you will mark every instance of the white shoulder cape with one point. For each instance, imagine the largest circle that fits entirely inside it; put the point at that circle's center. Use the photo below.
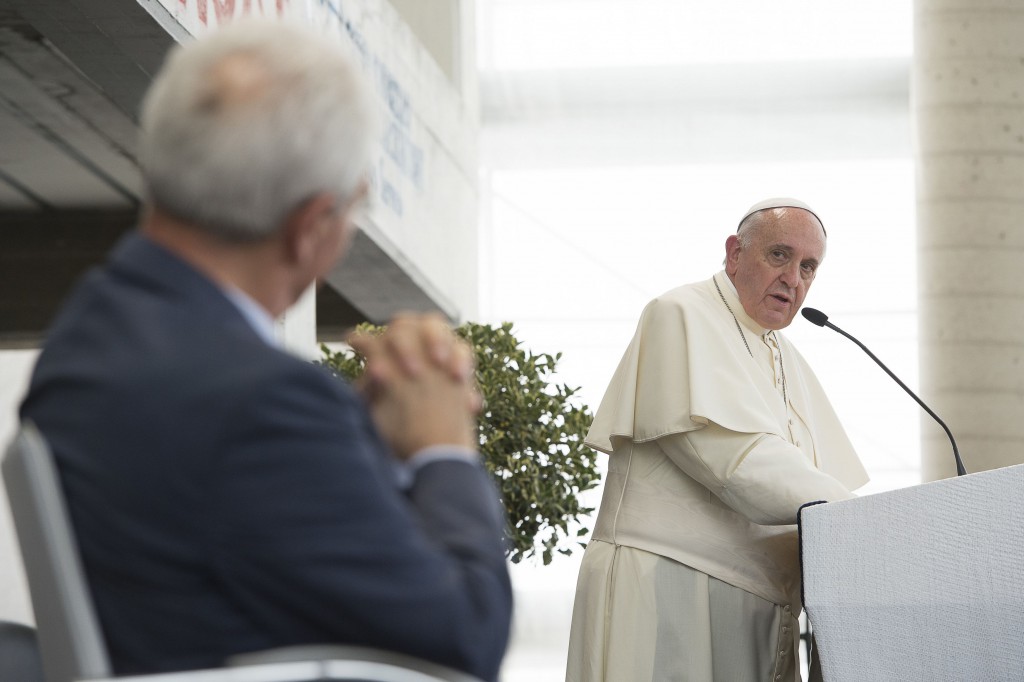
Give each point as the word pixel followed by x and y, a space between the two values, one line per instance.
pixel 687 366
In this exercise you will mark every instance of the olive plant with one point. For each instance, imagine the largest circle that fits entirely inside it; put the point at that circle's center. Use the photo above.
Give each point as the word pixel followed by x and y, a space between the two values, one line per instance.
pixel 531 431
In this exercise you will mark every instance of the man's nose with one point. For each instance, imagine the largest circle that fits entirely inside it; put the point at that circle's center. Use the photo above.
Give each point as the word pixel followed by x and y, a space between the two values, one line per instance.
pixel 791 275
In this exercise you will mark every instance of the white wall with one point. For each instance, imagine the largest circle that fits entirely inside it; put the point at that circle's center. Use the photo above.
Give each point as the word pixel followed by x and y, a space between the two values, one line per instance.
pixel 15 368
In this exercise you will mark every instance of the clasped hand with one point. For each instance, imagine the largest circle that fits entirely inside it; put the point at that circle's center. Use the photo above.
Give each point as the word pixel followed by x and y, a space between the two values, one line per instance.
pixel 419 384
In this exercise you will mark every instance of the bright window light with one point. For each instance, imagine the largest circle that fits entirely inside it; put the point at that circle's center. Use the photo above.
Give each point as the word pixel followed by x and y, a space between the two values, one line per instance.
pixel 576 34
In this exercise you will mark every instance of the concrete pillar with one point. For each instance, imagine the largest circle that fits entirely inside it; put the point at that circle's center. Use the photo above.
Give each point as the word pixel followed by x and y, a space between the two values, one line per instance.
pixel 968 95
pixel 296 329
pixel 447 29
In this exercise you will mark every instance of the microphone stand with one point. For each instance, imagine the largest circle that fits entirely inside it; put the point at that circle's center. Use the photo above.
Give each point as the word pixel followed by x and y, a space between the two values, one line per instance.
pixel 821 319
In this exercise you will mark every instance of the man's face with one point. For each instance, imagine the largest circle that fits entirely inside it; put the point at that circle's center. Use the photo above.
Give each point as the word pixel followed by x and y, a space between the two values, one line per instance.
pixel 775 271
pixel 337 239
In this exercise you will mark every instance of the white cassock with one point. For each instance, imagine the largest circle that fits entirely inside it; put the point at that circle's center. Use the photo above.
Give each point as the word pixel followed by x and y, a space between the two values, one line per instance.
pixel 718 432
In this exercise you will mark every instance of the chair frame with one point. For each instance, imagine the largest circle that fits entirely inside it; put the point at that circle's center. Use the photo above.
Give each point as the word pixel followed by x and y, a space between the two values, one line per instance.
pixel 68 630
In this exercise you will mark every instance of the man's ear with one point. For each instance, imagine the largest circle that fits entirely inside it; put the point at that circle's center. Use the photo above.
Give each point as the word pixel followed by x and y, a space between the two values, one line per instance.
pixel 305 225
pixel 732 253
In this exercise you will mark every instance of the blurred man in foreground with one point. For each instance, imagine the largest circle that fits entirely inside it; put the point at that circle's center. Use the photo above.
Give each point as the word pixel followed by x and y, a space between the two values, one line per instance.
pixel 226 496
pixel 718 432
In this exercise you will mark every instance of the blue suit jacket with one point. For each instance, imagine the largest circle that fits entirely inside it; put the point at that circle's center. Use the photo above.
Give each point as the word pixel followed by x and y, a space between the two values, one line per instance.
pixel 228 497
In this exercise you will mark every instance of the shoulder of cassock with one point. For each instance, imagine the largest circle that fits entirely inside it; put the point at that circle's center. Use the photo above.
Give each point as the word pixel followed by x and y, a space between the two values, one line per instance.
pixel 687 366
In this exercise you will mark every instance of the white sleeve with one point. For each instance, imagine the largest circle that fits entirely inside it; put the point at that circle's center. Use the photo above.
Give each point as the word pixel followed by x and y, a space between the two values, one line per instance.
pixel 761 476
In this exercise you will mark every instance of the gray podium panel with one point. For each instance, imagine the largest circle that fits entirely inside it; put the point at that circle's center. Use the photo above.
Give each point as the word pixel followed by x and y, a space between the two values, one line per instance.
pixel 924 583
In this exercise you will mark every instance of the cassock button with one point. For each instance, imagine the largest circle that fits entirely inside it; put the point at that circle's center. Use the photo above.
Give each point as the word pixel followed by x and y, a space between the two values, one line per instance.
pixel 786 608
pixel 797 443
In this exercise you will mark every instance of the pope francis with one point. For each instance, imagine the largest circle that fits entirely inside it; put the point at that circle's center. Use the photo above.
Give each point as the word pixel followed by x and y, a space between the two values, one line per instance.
pixel 718 432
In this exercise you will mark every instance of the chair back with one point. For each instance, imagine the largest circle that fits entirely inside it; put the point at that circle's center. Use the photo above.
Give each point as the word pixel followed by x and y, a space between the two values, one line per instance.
pixel 19 653
pixel 70 640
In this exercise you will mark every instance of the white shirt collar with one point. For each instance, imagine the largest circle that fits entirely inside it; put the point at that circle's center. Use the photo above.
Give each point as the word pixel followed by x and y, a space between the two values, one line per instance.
pixel 257 317
pixel 733 296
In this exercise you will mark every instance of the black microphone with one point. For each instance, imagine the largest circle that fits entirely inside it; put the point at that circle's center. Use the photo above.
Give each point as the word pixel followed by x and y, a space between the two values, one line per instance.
pixel 821 319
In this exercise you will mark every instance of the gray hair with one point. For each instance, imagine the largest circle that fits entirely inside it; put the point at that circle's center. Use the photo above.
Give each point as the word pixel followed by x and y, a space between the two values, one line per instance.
pixel 754 223
pixel 240 127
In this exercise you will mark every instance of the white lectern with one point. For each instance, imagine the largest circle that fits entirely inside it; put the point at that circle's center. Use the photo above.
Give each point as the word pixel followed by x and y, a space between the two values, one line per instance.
pixel 924 583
